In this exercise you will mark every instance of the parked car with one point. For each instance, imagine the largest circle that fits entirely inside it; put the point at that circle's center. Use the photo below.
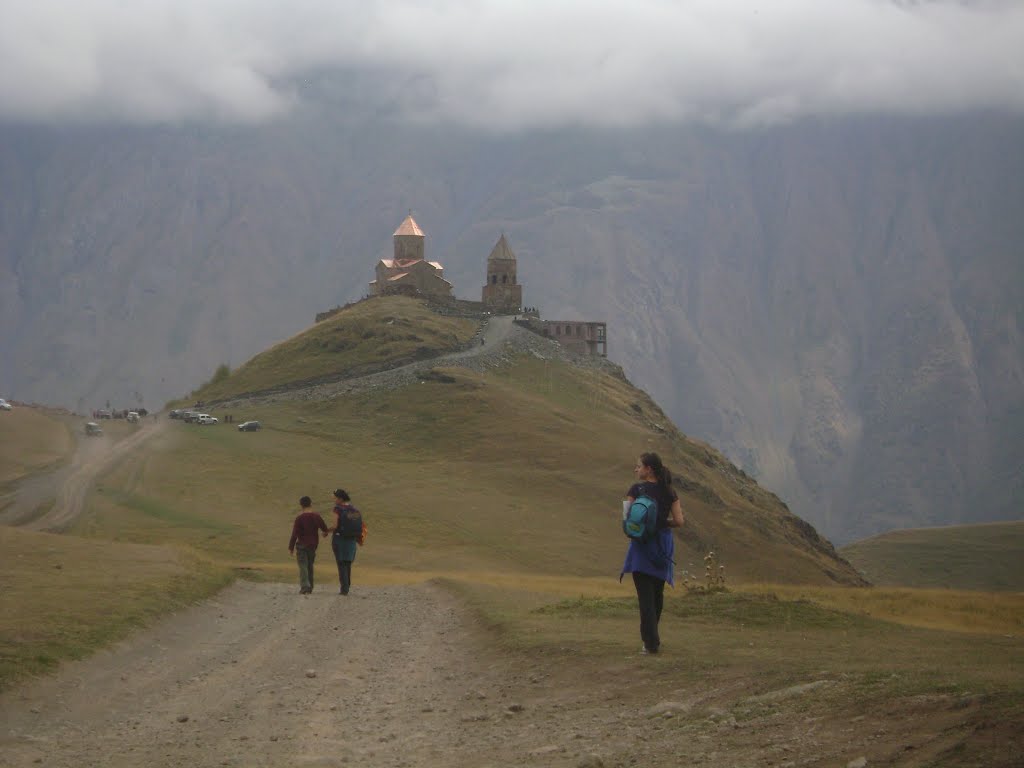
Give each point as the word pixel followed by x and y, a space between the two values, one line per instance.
pixel 205 418
pixel 175 413
pixel 104 413
pixel 249 426
pixel 132 417
pixel 4 405
pixel 92 429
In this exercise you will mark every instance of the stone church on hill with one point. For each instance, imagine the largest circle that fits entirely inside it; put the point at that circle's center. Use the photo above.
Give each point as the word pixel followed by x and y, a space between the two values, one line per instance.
pixel 409 272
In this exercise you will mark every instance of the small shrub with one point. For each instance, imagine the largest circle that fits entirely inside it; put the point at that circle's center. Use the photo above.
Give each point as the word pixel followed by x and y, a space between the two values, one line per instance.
pixel 223 372
pixel 714 577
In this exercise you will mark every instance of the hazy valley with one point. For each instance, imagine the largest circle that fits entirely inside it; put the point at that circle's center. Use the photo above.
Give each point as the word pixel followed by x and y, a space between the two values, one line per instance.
pixel 834 304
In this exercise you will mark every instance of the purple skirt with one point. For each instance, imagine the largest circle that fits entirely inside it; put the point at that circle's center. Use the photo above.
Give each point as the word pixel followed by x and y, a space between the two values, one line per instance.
pixel 653 557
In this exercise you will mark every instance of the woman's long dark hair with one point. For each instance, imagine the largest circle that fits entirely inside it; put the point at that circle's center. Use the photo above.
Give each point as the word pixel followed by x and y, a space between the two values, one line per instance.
pixel 653 462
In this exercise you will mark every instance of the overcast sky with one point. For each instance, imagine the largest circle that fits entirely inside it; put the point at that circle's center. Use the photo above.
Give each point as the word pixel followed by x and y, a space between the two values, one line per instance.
pixel 511 63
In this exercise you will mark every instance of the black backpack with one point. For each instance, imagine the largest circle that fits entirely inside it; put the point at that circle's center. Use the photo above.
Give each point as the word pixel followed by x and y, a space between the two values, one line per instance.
pixel 350 521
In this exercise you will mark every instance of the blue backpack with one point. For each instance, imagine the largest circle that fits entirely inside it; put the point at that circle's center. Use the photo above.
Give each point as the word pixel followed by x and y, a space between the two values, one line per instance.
pixel 350 521
pixel 641 520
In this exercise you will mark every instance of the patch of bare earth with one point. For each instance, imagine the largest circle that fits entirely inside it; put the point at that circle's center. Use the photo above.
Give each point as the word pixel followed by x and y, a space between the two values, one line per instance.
pixel 402 676
pixel 63 491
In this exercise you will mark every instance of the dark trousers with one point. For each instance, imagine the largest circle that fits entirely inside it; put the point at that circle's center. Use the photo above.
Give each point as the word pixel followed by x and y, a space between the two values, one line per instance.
pixel 650 594
pixel 345 575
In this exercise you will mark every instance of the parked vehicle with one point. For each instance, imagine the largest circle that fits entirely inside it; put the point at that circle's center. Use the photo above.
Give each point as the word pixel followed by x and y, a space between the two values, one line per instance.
pixel 249 426
pixel 174 414
pixel 4 405
pixel 205 418
pixel 132 417
pixel 92 429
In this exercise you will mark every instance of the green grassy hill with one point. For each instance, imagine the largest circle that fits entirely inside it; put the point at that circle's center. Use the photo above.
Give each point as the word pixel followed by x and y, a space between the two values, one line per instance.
pixel 366 337
pixel 520 468
pixel 983 557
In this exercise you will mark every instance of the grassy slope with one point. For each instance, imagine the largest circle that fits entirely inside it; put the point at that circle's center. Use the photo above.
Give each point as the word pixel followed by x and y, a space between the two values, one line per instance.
pixel 518 470
pixel 63 596
pixel 978 557
pixel 361 339
pixel 31 439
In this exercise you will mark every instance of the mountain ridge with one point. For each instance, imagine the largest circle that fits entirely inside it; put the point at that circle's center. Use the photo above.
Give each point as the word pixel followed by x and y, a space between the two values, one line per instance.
pixel 837 303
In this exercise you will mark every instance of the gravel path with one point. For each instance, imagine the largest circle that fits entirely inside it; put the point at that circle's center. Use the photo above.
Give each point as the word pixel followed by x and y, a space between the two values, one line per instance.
pixel 403 677
pixel 259 676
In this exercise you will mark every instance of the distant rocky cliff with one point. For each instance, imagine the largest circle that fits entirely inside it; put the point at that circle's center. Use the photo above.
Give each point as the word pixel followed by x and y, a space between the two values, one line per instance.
pixel 837 306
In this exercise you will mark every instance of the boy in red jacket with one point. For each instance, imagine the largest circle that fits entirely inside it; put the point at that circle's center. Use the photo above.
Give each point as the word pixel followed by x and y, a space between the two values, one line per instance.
pixel 304 541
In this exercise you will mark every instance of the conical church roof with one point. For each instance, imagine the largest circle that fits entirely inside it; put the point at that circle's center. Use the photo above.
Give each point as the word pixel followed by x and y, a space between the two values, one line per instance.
pixel 502 250
pixel 409 227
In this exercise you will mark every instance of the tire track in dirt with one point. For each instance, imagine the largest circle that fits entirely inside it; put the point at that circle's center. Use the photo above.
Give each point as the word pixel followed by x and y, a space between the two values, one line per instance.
pixel 92 457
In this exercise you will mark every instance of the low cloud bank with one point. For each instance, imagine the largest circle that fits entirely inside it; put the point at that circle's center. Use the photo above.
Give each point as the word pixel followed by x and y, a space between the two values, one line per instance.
pixel 509 65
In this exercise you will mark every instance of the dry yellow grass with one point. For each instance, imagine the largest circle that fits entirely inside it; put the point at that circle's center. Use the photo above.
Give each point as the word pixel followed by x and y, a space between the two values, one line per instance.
pixel 64 596
pixel 32 439
pixel 942 609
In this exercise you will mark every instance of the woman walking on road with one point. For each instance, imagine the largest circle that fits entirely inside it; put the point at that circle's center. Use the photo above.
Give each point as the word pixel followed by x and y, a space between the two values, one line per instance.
pixel 650 561
pixel 347 528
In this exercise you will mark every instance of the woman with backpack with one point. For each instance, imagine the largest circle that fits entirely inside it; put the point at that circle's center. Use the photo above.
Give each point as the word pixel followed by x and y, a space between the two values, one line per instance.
pixel 650 559
pixel 346 534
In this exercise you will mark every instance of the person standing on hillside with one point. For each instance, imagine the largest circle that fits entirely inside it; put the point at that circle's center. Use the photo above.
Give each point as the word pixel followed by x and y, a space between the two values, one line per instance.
pixel 650 561
pixel 304 541
pixel 347 530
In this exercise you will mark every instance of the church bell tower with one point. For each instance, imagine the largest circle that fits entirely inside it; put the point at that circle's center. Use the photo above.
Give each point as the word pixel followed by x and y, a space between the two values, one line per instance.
pixel 502 292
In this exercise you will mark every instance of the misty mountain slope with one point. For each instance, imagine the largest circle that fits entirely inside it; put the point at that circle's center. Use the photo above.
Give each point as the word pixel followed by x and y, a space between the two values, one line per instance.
pixel 836 305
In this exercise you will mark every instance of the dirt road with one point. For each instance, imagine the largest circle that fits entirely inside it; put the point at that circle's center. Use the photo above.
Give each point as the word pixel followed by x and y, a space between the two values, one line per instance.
pixel 402 677
pixel 68 486
pixel 261 676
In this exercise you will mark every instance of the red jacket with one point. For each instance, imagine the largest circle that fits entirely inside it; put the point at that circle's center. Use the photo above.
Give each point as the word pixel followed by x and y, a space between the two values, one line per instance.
pixel 304 530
